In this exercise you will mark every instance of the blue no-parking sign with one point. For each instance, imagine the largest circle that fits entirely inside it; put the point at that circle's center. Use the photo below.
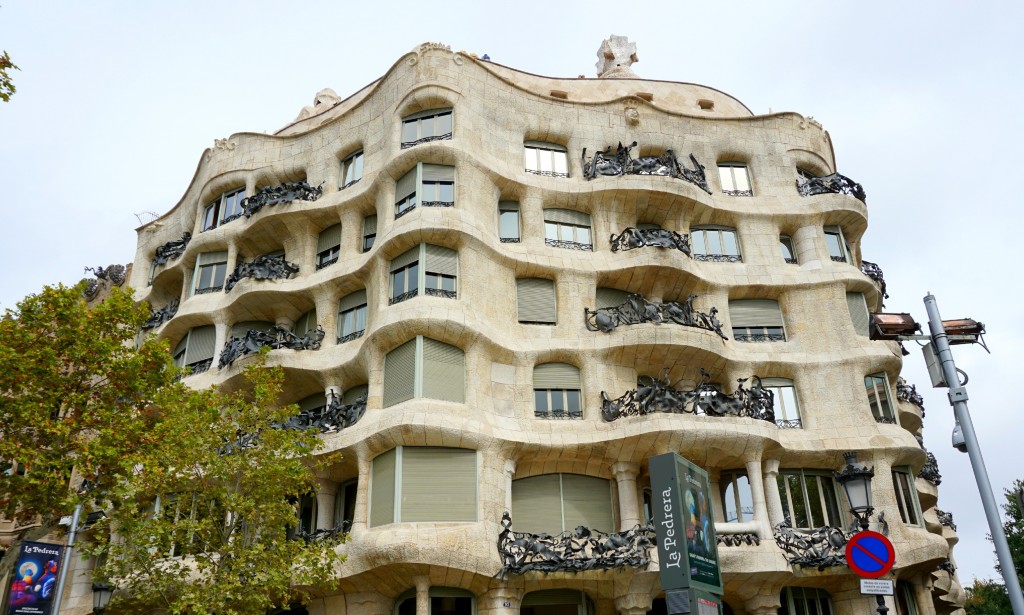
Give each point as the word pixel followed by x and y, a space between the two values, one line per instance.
pixel 870 554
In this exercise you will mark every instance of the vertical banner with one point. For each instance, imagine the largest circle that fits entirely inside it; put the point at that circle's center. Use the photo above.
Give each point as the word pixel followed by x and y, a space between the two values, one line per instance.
pixel 684 523
pixel 34 579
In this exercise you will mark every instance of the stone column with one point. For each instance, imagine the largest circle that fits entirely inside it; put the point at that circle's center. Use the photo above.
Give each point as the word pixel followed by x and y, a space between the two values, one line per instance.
pixel 771 493
pixel 806 240
pixel 510 471
pixel 494 601
pixel 422 594
pixel 757 493
pixel 325 494
pixel 714 476
pixel 285 323
pixel 629 509
pixel 633 604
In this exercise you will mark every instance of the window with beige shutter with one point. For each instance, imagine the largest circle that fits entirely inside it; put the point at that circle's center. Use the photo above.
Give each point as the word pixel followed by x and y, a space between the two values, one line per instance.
pixel 556 503
pixel 756 320
pixel 423 484
pixel 557 391
pixel 536 302
pixel 423 367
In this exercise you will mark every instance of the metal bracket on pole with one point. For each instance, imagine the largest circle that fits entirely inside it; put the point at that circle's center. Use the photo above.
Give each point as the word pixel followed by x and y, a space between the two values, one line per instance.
pixel 958 394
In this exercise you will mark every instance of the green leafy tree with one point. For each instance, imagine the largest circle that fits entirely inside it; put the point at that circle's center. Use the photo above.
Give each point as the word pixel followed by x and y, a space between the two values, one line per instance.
pixel 207 517
pixel 198 487
pixel 72 400
pixel 6 85
pixel 989 597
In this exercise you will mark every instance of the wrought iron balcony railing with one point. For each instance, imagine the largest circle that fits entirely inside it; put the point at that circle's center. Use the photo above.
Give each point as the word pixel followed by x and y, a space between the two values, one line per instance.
pixel 576 551
pixel 263 267
pixel 606 164
pixel 834 183
pixel 402 297
pixel 632 238
pixel 820 548
pixel 351 336
pixel 334 416
pixel 636 310
pixel 569 245
pixel 440 292
pixel 546 173
pixel 874 272
pixel 162 315
pixel 908 393
pixel 930 470
pixel 172 249
pixel 445 137
pixel 278 337
pixel 277 195
pixel 718 258
pixel 735 540
pixel 945 518
pixel 659 395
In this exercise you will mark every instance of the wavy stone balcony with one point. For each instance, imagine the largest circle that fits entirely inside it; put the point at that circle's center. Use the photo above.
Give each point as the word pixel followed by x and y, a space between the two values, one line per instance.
pixel 606 164
pixel 278 337
pixel 834 183
pixel 636 310
pixel 659 395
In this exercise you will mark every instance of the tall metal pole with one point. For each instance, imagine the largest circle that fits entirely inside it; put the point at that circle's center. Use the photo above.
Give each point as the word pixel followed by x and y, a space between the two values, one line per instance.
pixel 958 399
pixel 63 575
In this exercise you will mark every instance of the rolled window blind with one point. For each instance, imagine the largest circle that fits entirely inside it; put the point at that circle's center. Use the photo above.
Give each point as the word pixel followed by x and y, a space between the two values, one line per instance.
pixel 444 371
pixel 353 393
pixel 858 313
pixel 442 260
pixel 406 185
pixel 241 328
pixel 567 216
pixel 610 297
pixel 329 238
pixel 535 299
pixel 755 313
pixel 406 258
pixel 370 225
pixel 207 258
pixel 316 400
pixel 438 484
pixel 587 501
pixel 306 323
pixel 537 504
pixel 382 489
pixel 438 172
pixel 352 300
pixel 544 145
pixel 556 376
pixel 400 374
pixel 427 113
pixel 200 344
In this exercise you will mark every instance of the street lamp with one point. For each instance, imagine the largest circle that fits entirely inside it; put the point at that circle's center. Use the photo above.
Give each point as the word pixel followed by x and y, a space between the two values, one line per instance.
pixel 101 593
pixel 856 481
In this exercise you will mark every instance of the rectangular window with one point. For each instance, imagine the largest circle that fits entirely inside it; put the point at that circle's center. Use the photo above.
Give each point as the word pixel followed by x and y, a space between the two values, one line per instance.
pixel 351 170
pixel 345 504
pixel 838 249
pixel 405 276
pixel 423 484
pixel 877 387
pixel 734 178
pixel 429 185
pixel 508 222
pixel 423 367
pixel 535 301
pixel 756 320
pixel 556 503
pixel 788 253
pixel 545 159
pixel 328 246
pixel 432 125
pixel 369 232
pixel 224 208
pixel 195 350
pixel 211 269
pixel 556 391
pixel 441 271
pixel 352 316
pixel 858 308
pixel 809 499
pixel 737 499
pixel 787 411
pixel 906 496
pixel 210 215
pixel 566 228
pixel 715 243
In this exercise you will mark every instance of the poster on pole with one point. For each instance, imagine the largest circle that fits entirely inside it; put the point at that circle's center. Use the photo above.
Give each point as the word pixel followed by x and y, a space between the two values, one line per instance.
pixel 684 523
pixel 34 579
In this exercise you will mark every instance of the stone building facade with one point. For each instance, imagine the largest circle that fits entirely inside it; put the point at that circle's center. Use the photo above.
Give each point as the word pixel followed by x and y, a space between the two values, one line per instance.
pixel 496 292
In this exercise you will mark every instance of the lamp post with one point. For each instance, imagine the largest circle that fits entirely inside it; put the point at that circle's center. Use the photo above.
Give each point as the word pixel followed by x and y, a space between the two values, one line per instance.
pixel 101 593
pixel 856 481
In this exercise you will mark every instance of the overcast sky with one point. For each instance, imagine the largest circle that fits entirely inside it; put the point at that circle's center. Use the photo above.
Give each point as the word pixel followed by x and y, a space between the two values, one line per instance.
pixel 117 100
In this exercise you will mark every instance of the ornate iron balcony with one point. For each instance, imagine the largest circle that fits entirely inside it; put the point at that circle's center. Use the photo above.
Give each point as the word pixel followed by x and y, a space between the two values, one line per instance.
pixel 445 137
pixel 115 274
pixel 947 566
pixel 874 272
pixel 908 393
pixel 351 336
pixel 546 173
pixel 632 238
pixel 351 183
pixel 208 289
pixel 635 310
pixel 326 263
pixel 606 164
pixel 399 214
pixel 275 338
pixel 885 420
pixel 718 258
pixel 172 249
pixel 509 240
pixel 659 395
pixel 834 183
pixel 945 518
pixel 838 259
pixel 819 548
pixel 758 337
pixel 326 534
pixel 735 540
pixel 159 317
pixel 790 261
pixel 930 470
pixel 263 267
pixel 334 416
pixel 577 551
pixel 558 413
pixel 438 204
pixel 440 292
pixel 788 424
pixel 285 193
pixel 406 295
pixel 198 367
pixel 569 245
pixel 738 192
